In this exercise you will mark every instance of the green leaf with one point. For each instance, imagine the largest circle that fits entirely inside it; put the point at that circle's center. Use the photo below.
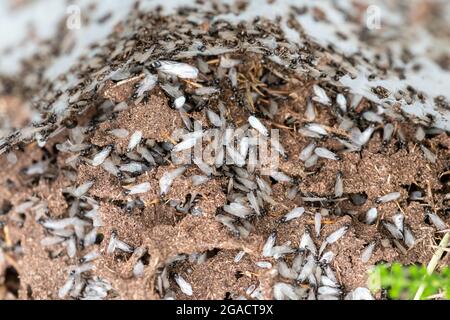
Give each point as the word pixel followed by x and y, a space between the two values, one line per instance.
pixel 403 282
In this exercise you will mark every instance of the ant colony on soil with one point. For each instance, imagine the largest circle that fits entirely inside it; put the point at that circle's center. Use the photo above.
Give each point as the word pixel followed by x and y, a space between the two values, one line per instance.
pixel 243 150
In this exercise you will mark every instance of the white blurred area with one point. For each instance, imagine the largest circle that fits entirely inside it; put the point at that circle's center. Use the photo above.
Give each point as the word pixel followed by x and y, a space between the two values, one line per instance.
pixel 26 23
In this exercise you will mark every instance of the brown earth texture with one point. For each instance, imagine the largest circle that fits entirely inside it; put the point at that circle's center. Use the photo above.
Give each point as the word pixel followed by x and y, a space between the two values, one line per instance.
pixel 97 207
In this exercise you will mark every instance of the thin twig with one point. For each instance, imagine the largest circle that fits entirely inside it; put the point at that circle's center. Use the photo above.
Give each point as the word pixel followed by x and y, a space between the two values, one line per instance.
pixel 433 263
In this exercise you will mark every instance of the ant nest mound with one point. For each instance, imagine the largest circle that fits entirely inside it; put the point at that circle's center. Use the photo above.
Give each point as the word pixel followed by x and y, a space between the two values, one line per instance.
pixel 218 151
